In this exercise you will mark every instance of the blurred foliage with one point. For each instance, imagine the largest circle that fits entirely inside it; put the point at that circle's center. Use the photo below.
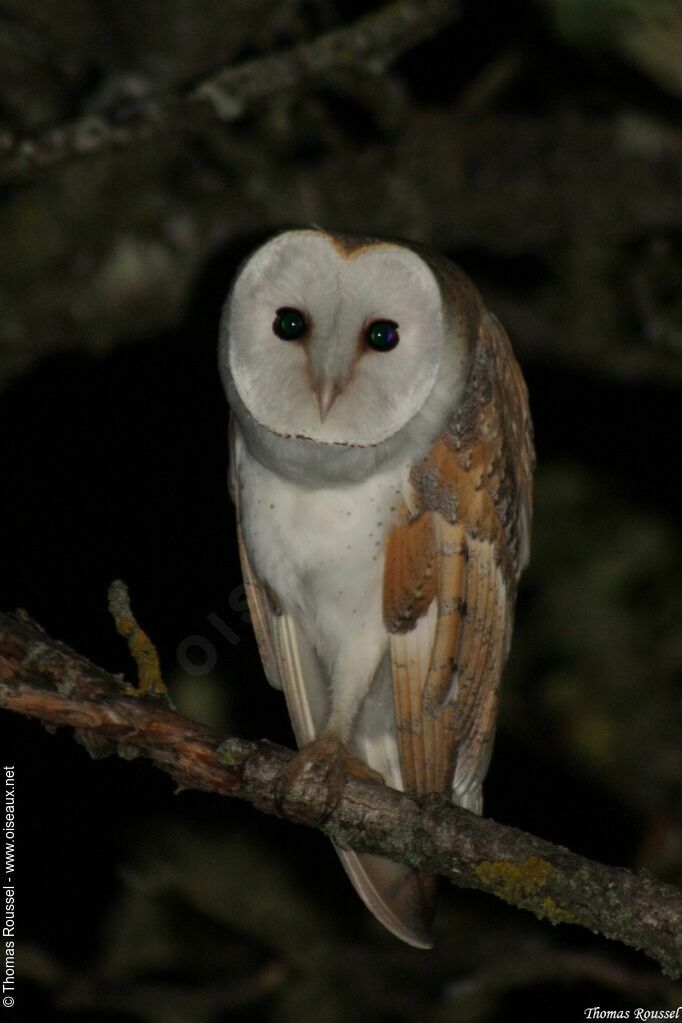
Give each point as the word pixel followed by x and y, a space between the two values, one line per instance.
pixel 208 926
pixel 596 677
pixel 493 154
pixel 647 33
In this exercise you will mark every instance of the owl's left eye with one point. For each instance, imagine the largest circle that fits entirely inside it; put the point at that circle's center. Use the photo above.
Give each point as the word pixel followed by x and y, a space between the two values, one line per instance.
pixel 290 324
pixel 382 335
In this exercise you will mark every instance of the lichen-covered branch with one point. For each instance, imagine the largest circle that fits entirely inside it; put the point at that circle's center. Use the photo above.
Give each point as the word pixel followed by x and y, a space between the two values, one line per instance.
pixel 370 44
pixel 44 679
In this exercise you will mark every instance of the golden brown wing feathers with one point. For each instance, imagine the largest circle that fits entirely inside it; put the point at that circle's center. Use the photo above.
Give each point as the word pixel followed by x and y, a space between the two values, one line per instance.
pixel 460 552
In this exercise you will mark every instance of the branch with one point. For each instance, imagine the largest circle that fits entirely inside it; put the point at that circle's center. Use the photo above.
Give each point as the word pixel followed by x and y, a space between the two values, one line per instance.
pixel 370 43
pixel 44 679
pixel 443 184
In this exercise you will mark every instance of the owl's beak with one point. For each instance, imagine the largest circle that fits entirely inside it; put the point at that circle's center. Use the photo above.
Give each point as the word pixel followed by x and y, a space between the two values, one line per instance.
pixel 327 392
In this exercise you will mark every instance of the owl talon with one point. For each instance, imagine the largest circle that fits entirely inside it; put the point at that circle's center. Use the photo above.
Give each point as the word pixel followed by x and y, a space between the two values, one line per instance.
pixel 338 763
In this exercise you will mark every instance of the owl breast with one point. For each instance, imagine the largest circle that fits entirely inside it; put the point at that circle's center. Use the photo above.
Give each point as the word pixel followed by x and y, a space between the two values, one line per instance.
pixel 321 550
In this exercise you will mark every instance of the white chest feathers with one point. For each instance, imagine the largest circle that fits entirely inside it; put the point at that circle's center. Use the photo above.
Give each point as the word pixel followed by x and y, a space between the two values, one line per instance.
pixel 321 550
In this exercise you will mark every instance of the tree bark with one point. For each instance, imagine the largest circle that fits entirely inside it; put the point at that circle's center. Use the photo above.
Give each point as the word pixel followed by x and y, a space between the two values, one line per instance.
pixel 44 679
pixel 371 44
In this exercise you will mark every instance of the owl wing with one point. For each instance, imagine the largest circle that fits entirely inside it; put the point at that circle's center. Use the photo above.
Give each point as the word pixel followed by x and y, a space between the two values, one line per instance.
pixel 255 595
pixel 288 657
pixel 452 566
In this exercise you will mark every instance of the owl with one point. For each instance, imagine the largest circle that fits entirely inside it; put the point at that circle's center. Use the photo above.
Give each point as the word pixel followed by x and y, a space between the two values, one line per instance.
pixel 381 463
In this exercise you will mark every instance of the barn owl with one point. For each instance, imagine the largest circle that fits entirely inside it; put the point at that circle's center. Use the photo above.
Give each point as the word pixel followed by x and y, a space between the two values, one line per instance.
pixel 381 460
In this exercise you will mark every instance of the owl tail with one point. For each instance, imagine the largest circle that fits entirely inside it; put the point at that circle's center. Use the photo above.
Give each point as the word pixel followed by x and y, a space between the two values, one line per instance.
pixel 402 899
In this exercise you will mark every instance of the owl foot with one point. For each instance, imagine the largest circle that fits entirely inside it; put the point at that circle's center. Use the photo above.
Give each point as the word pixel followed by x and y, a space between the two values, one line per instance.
pixel 339 764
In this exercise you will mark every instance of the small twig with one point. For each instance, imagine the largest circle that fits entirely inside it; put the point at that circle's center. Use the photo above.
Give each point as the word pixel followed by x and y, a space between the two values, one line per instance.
pixel 523 964
pixel 85 992
pixel 44 679
pixel 140 645
pixel 371 43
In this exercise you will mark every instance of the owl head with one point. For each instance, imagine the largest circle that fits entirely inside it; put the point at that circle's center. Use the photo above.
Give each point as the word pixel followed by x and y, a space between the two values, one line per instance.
pixel 342 343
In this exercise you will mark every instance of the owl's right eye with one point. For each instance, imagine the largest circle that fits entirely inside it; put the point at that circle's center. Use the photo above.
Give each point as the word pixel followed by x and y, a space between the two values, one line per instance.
pixel 290 324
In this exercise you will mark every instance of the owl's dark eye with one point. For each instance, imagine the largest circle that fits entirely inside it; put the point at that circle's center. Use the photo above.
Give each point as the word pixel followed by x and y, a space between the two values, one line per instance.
pixel 290 324
pixel 382 335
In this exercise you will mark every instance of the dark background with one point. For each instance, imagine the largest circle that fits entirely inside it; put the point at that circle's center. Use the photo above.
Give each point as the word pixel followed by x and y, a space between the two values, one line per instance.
pixel 538 145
